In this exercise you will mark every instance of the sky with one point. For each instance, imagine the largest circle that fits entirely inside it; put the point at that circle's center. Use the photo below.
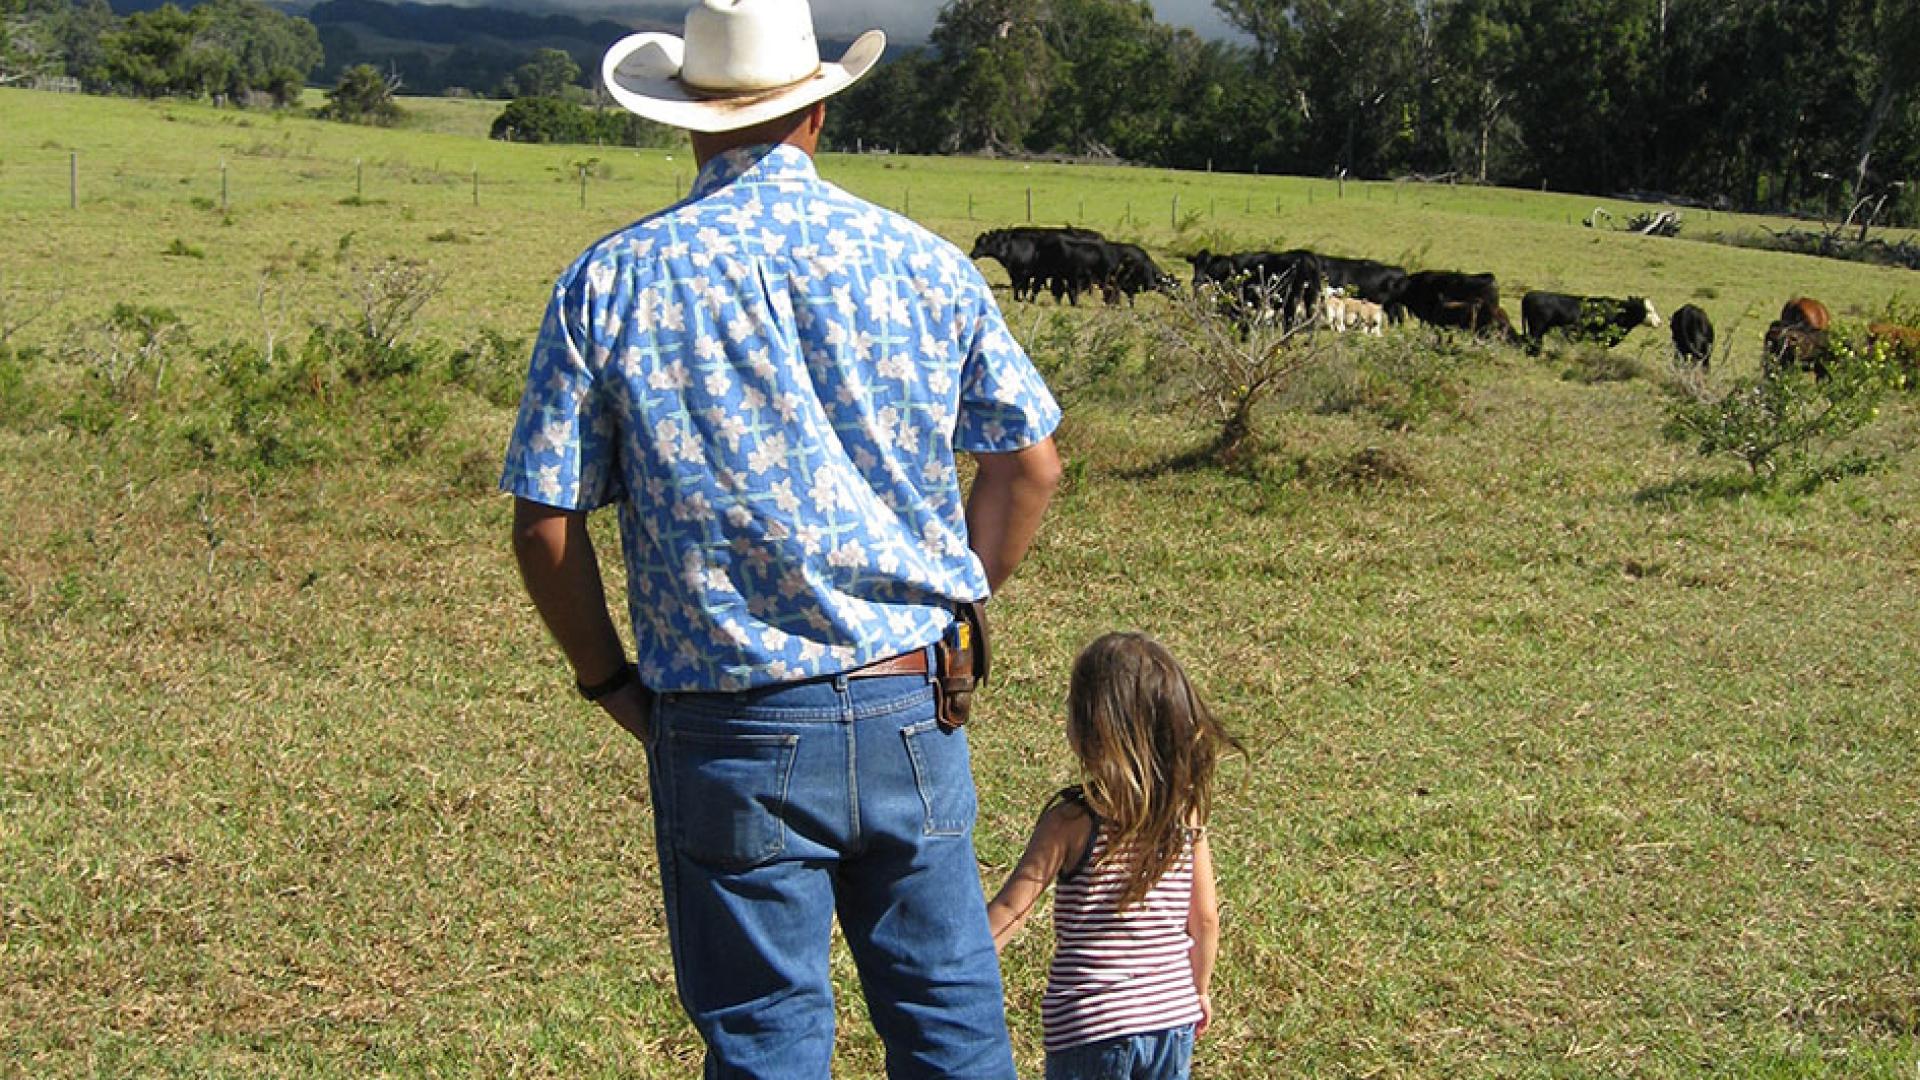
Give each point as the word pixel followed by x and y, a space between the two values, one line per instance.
pixel 908 21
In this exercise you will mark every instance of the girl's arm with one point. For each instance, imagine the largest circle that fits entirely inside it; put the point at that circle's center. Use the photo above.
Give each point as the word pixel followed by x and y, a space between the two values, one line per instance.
pixel 1053 839
pixel 1203 926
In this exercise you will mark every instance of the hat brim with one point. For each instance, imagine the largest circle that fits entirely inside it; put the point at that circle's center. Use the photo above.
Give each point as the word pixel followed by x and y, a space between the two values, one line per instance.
pixel 642 72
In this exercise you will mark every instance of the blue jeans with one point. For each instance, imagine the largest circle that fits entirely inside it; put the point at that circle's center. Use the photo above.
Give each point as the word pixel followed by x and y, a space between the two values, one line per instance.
pixel 1154 1055
pixel 775 810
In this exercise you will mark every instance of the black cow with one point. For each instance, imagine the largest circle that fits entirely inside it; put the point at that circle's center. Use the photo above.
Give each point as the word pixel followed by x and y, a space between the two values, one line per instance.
pixel 1017 253
pixel 1261 283
pixel 1454 301
pixel 1073 265
pixel 1135 272
pixel 1693 335
pixel 1594 318
pixel 1369 280
pixel 1018 249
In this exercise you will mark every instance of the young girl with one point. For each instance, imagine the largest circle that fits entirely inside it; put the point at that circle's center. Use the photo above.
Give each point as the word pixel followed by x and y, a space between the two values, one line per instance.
pixel 1136 924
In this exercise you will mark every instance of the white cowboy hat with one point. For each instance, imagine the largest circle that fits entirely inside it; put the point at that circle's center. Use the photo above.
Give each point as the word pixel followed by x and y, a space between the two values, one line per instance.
pixel 741 62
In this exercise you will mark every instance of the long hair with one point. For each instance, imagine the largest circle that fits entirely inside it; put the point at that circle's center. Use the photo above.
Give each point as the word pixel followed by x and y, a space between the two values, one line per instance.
pixel 1148 746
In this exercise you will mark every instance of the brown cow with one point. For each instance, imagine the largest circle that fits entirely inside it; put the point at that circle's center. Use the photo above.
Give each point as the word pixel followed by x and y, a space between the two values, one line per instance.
pixel 1899 343
pixel 1792 345
pixel 1807 312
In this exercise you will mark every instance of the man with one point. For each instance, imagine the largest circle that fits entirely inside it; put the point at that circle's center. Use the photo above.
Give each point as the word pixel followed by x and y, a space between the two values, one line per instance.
pixel 769 381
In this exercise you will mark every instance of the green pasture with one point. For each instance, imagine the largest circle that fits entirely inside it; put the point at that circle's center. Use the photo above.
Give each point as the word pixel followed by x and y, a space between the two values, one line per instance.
pixel 1571 753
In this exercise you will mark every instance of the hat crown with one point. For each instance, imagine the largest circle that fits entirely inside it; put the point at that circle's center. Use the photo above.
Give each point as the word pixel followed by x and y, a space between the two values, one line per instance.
pixel 745 45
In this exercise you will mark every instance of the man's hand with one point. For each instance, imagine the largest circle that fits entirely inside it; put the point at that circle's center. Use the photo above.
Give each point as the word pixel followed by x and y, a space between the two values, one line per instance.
pixel 631 707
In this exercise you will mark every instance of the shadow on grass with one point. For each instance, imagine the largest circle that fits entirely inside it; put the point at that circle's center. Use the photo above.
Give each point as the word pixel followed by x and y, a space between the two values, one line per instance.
pixel 1780 487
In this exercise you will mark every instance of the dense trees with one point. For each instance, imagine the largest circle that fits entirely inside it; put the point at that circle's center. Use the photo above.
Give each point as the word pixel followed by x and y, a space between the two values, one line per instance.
pixel 227 49
pixel 1782 103
pixel 363 96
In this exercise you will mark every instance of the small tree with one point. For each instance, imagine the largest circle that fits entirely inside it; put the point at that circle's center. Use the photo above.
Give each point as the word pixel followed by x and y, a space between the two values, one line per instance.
pixel 551 73
pixel 363 96
pixel 1786 420
pixel 1231 353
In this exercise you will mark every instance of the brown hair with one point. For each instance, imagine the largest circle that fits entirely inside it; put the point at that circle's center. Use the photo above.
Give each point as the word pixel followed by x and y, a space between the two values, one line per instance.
pixel 1148 746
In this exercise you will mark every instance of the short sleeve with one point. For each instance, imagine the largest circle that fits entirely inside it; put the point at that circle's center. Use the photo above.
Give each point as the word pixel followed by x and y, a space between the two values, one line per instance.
pixel 564 448
pixel 1004 403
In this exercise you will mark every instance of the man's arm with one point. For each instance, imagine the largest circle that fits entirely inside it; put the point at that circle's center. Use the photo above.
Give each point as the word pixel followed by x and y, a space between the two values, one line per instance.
pixel 1010 494
pixel 562 576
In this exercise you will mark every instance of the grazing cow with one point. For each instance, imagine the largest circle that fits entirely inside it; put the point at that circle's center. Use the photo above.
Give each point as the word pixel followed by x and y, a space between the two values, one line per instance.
pixel 1073 265
pixel 1693 335
pixel 1369 280
pixel 1805 311
pixel 1795 345
pixel 1343 313
pixel 1900 344
pixel 1263 283
pixel 1455 301
pixel 1019 251
pixel 1135 272
pixel 1594 318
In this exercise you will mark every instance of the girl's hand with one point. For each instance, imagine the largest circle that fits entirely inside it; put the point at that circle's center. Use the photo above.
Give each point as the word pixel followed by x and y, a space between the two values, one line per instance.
pixel 1206 1016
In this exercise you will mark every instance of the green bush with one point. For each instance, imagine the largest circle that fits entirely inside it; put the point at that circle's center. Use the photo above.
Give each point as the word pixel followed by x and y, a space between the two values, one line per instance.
pixel 493 365
pixel 1398 379
pixel 1785 423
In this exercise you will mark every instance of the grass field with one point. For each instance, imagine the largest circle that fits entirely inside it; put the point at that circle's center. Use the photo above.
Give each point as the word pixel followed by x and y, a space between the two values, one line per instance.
pixel 1572 754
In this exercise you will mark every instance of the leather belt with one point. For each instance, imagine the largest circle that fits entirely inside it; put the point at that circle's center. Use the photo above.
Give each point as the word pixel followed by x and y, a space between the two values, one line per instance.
pixel 907 663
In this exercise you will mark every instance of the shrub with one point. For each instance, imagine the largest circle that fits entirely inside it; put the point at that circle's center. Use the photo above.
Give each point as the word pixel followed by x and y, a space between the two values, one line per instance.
pixel 493 365
pixel 1228 367
pixel 1399 379
pixel 1077 354
pixel 125 359
pixel 1785 422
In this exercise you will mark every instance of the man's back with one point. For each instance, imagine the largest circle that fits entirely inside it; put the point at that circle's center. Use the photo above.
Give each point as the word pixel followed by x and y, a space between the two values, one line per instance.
pixel 775 374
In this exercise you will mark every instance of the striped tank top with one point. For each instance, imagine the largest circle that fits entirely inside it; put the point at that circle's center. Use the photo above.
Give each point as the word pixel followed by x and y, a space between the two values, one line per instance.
pixel 1117 972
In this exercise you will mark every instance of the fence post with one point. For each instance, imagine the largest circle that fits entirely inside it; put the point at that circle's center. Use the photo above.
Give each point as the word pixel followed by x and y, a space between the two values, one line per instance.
pixel 1029 206
pixel 476 185
pixel 359 178
pixel 1173 219
pixel 583 187
pixel 969 206
pixel 223 183
pixel 906 201
pixel 73 179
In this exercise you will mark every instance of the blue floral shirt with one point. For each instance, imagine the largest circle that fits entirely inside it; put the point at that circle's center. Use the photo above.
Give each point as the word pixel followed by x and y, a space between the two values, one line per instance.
pixel 770 379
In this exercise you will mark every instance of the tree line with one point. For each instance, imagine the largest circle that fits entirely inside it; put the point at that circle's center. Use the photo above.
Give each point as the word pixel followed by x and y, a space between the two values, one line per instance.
pixel 1799 105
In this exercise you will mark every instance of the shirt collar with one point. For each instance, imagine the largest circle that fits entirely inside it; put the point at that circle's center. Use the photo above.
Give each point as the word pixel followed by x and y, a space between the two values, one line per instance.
pixel 754 164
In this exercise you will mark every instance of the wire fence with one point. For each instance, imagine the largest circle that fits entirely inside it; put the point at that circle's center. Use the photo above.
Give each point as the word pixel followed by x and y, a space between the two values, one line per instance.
pixel 598 179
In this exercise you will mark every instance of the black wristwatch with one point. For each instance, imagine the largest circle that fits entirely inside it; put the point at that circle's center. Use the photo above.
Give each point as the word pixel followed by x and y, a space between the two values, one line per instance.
pixel 614 682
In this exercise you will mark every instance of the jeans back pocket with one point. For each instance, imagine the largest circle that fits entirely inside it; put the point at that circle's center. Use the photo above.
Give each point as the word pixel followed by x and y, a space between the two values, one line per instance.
pixel 730 796
pixel 943 771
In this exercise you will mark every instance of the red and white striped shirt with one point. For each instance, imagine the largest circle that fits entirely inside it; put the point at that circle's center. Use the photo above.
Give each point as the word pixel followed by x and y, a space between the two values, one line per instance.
pixel 1118 972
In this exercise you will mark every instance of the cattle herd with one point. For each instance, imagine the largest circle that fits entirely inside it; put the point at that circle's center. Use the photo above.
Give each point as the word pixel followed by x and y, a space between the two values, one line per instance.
pixel 1307 289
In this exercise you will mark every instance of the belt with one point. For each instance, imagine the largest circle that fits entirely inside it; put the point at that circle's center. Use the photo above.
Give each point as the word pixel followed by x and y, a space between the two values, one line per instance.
pixel 907 663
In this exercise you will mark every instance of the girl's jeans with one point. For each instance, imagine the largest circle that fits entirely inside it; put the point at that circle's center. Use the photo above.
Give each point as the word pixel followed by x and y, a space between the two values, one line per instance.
pixel 775 810
pixel 1154 1055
